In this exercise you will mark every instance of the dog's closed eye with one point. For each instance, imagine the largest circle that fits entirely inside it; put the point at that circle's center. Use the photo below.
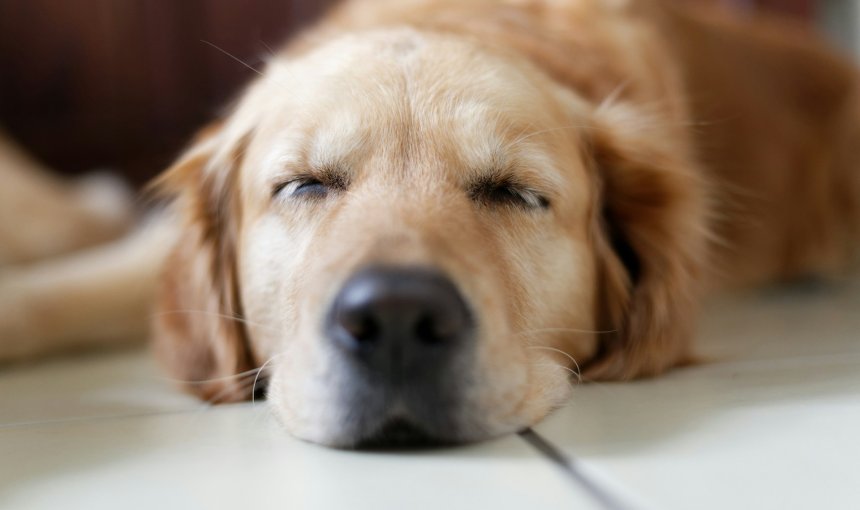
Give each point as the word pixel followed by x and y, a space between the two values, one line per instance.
pixel 506 191
pixel 310 186
pixel 307 187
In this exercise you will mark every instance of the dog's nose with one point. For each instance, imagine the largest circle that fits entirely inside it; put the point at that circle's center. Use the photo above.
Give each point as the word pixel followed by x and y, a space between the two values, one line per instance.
pixel 399 321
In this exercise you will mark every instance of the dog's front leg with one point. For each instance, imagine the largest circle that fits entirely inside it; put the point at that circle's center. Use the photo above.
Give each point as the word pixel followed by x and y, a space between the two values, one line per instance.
pixel 95 297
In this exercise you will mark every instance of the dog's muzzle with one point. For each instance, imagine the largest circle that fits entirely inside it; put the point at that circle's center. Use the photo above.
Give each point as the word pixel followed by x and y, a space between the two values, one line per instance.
pixel 404 335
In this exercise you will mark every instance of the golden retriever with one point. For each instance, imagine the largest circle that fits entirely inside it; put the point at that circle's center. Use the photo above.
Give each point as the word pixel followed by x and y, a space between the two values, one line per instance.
pixel 425 214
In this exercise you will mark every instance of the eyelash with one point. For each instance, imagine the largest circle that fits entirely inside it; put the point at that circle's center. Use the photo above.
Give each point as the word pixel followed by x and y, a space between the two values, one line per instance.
pixel 486 193
pixel 507 193
pixel 305 187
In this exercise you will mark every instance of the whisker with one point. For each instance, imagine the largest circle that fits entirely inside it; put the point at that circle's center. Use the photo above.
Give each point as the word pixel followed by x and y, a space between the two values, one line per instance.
pixel 248 382
pixel 268 49
pixel 578 371
pixel 553 349
pixel 568 369
pixel 525 137
pixel 256 378
pixel 645 121
pixel 613 96
pixel 564 330
pixel 236 318
pixel 270 63
pixel 216 398
pixel 234 57
pixel 240 375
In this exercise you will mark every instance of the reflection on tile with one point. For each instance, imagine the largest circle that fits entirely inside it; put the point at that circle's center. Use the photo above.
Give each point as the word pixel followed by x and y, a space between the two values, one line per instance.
pixel 82 387
pixel 771 423
pixel 811 321
pixel 237 457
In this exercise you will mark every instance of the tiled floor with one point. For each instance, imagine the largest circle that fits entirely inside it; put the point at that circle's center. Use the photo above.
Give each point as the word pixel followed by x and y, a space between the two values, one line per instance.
pixel 772 422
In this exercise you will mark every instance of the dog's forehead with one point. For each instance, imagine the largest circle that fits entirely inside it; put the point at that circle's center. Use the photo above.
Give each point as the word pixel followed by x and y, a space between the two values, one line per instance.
pixel 374 80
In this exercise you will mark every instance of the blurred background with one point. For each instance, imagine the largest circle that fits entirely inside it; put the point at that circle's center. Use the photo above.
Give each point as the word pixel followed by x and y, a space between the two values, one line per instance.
pixel 122 84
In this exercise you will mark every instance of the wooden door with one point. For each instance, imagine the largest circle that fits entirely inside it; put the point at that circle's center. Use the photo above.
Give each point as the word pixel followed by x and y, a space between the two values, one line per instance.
pixel 124 83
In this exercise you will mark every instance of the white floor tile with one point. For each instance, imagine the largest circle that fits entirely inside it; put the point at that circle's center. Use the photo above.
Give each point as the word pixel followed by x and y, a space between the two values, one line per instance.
pixel 237 457
pixel 110 430
pixel 112 384
pixel 771 423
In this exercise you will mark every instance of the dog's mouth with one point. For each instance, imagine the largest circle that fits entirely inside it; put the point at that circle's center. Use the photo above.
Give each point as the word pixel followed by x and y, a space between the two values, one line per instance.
pixel 400 434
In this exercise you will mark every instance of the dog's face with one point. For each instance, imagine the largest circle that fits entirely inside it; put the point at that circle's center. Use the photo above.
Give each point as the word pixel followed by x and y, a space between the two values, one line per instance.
pixel 408 231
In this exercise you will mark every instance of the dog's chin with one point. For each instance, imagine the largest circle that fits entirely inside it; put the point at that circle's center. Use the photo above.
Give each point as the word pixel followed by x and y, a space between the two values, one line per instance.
pixel 363 413
pixel 393 430
pixel 400 434
pixel 369 424
pixel 367 427
pixel 395 433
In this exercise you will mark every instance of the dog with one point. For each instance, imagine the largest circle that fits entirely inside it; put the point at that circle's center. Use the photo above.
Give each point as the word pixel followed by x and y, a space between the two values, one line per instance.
pixel 425 214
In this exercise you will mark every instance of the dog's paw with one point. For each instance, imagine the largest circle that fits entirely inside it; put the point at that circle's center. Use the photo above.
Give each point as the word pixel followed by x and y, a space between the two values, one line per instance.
pixel 107 200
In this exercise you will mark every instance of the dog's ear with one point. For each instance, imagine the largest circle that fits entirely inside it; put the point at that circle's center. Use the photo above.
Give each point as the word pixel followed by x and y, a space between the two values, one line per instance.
pixel 650 235
pixel 198 331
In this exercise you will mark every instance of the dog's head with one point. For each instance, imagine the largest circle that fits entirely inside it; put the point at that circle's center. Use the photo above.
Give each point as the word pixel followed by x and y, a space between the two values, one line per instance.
pixel 407 228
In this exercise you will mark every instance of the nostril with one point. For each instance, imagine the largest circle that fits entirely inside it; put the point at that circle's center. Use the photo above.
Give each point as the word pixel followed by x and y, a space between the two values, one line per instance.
pixel 361 327
pixel 431 330
pixel 426 331
pixel 395 312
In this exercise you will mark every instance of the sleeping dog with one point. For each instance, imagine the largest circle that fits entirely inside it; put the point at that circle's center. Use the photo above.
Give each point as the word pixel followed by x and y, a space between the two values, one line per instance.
pixel 425 214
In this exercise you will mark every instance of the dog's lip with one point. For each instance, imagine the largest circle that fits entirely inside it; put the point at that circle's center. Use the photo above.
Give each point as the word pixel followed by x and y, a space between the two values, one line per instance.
pixel 399 433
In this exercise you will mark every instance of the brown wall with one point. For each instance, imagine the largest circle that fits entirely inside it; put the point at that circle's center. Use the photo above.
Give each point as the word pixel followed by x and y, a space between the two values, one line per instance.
pixel 124 83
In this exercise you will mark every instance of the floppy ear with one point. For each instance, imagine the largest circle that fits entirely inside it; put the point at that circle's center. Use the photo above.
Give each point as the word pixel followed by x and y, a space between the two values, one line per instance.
pixel 650 233
pixel 198 333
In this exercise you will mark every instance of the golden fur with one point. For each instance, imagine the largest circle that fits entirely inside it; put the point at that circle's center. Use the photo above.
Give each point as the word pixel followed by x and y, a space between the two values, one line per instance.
pixel 655 151
pixel 672 145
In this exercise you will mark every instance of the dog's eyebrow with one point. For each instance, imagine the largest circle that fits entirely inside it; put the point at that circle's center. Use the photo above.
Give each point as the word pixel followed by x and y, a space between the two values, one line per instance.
pixel 335 175
pixel 332 174
pixel 526 167
pixel 493 177
pixel 331 146
pixel 501 171
pixel 498 178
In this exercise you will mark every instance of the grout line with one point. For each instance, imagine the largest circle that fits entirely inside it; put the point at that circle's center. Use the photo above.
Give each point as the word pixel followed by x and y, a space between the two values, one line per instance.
pixel 107 417
pixel 571 468
pixel 84 419
pixel 783 362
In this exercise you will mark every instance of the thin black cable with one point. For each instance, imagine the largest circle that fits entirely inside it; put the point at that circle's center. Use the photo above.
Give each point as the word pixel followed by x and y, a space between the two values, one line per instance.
pixel 598 493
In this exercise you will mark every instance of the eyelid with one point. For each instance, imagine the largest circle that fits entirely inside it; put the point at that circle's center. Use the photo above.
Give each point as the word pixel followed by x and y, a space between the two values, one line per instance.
pixel 280 186
pixel 484 189
pixel 531 197
pixel 328 179
pixel 290 185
